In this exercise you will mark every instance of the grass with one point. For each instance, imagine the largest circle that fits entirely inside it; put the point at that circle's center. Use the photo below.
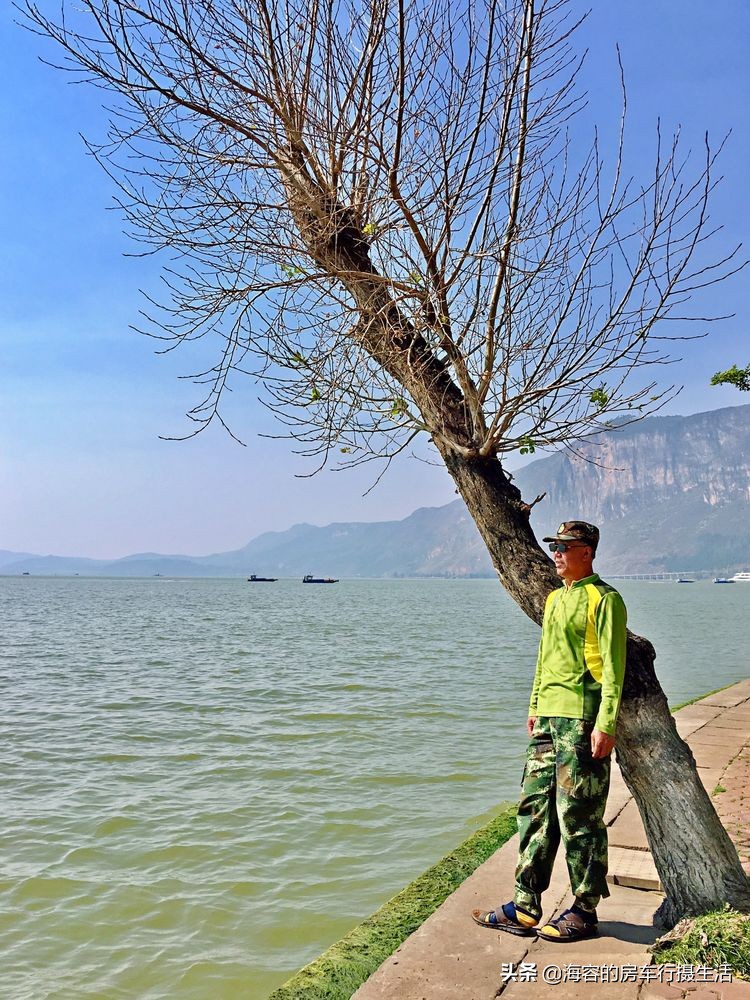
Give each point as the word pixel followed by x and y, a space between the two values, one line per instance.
pixel 342 969
pixel 721 937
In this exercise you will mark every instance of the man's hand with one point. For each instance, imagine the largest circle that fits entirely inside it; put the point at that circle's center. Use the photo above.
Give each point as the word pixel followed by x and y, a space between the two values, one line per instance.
pixel 530 724
pixel 601 744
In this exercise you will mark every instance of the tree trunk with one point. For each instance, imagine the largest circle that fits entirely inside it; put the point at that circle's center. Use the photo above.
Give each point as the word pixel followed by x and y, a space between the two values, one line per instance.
pixel 694 855
pixel 696 860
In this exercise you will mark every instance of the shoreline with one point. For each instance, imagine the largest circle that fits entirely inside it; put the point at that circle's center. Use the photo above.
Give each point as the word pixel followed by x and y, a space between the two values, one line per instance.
pixel 342 968
pixel 346 964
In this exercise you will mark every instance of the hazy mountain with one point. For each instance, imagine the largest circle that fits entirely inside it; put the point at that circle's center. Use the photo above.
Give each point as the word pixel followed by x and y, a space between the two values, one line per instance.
pixel 668 493
pixel 432 541
pixel 147 565
pixel 7 557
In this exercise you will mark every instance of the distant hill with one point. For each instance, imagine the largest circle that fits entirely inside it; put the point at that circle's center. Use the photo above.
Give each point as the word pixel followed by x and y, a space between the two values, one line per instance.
pixel 7 557
pixel 669 493
pixel 433 541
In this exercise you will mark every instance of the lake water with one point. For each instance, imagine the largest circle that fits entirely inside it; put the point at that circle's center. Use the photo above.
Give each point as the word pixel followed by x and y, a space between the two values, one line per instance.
pixel 207 782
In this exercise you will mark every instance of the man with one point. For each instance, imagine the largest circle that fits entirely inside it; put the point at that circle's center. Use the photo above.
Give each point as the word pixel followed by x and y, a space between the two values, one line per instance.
pixel 573 712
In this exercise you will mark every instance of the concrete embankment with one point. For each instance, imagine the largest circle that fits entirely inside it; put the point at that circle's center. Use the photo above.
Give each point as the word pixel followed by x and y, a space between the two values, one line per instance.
pixel 448 957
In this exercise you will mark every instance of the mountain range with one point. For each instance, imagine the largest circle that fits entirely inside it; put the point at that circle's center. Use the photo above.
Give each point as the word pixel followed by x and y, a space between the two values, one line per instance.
pixel 669 494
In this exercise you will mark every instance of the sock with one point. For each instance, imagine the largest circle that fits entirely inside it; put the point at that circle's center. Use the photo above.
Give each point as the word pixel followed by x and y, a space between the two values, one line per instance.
pixel 588 915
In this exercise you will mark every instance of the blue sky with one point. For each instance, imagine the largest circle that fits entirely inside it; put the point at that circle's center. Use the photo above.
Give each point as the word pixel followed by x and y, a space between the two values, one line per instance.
pixel 83 399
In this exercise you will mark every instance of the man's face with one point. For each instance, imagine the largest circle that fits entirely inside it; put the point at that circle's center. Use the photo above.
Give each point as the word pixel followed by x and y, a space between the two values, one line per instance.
pixel 575 563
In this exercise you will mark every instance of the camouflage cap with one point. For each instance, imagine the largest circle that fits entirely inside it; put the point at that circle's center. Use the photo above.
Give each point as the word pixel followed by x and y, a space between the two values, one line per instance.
pixel 576 531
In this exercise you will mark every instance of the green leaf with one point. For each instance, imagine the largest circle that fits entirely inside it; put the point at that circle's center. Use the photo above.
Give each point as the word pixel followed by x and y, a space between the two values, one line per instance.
pixel 599 397
pixel 528 447
pixel 314 395
pixel 739 377
pixel 399 406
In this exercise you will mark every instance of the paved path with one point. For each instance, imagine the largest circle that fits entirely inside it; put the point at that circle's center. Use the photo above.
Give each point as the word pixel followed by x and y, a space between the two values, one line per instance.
pixel 451 958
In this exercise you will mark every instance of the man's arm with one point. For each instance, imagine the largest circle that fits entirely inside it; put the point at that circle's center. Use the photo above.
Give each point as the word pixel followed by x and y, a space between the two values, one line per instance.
pixel 611 631
pixel 537 681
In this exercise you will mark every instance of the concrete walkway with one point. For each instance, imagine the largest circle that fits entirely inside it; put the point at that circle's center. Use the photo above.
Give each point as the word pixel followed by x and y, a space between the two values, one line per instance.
pixel 451 958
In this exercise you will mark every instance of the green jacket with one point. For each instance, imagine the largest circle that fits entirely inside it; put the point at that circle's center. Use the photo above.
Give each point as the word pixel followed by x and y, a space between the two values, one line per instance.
pixel 581 664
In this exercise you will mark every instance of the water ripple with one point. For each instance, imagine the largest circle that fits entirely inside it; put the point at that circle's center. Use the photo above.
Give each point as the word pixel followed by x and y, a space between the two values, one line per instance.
pixel 205 784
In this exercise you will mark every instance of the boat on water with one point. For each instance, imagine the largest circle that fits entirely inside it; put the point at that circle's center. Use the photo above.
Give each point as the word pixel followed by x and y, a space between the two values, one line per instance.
pixel 254 578
pixel 684 579
pixel 743 577
pixel 722 579
pixel 318 579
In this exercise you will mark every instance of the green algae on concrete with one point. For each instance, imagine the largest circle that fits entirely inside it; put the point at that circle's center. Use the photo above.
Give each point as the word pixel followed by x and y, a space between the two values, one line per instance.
pixel 342 969
pixel 700 697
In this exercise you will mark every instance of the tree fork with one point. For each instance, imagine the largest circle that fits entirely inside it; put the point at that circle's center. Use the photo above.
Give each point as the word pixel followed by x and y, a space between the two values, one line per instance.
pixel 696 860
pixel 341 249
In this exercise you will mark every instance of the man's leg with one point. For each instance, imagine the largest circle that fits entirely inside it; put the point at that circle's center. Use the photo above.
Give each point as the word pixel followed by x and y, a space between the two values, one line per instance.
pixel 582 787
pixel 538 827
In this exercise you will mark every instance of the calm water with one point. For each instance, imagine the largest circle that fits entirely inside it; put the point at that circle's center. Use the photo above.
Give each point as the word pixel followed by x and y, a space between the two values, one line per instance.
pixel 205 783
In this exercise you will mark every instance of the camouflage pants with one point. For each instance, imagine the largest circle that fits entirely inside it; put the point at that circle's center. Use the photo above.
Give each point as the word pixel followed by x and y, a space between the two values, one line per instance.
pixel 564 795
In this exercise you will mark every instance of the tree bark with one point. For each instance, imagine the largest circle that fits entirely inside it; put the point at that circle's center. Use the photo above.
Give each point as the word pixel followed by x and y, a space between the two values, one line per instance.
pixel 696 860
pixel 694 855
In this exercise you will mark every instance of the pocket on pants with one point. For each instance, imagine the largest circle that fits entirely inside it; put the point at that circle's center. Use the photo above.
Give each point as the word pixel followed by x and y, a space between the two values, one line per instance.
pixel 588 777
pixel 536 768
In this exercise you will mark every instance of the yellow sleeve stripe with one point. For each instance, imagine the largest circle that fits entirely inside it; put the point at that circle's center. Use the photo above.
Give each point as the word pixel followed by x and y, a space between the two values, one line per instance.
pixel 591 655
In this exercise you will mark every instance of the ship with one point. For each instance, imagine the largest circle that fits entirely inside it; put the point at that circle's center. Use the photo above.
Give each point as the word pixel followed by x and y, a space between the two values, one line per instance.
pixel 254 578
pixel 309 578
pixel 743 577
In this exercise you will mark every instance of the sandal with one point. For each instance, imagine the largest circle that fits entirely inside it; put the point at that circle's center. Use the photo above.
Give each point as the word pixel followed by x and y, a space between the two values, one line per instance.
pixel 569 926
pixel 500 920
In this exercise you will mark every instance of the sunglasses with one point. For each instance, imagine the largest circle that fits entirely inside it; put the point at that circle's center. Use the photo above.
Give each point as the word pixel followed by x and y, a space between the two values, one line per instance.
pixel 564 546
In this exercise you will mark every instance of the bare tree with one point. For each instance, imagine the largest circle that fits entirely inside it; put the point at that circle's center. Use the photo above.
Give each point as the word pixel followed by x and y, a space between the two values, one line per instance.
pixel 384 211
